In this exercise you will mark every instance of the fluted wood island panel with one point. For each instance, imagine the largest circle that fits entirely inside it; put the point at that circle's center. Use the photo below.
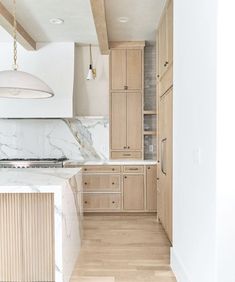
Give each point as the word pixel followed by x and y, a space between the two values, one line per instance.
pixel 27 232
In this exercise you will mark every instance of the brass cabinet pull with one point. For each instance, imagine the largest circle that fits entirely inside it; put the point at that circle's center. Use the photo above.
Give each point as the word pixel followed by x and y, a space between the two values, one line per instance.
pixel 113 202
pixel 85 202
pixel 113 183
pixel 126 155
pixel 85 183
pixel 163 155
pixel 113 169
pixel 128 147
pixel 125 87
pixel 125 176
pixel 133 168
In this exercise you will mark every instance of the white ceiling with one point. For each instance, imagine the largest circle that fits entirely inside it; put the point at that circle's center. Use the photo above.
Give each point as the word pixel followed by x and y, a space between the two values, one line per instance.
pixel 34 15
pixel 143 17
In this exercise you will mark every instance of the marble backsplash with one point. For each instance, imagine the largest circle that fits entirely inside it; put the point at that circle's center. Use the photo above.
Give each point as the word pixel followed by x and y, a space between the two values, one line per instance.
pixel 81 138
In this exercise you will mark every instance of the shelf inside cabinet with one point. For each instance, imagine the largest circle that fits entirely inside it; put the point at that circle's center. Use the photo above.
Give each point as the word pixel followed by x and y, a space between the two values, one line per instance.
pixel 150 112
pixel 150 133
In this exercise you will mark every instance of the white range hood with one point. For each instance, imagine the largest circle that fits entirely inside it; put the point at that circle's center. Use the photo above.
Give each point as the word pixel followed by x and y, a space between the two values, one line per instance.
pixel 54 64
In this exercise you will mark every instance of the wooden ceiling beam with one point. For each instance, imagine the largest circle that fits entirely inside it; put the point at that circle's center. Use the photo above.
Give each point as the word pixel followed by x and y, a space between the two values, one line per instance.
pixel 7 22
pixel 98 11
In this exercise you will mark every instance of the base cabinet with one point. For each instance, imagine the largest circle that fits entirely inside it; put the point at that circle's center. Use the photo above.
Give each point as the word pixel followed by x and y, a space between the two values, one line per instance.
pixel 133 192
pixel 125 188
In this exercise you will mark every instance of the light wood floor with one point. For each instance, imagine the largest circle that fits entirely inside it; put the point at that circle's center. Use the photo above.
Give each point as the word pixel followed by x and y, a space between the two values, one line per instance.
pixel 123 248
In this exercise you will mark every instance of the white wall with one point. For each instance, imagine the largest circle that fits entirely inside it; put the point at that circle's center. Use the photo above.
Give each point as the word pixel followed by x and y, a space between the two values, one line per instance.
pixel 194 196
pixel 91 98
pixel 225 143
pixel 54 64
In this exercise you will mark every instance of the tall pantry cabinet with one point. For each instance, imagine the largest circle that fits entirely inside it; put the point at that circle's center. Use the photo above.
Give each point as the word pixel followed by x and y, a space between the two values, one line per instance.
pixel 165 117
pixel 126 100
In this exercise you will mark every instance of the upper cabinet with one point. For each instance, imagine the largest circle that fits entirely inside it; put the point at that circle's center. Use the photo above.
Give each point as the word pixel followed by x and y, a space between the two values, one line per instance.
pixel 165 40
pixel 126 69
pixel 54 64
pixel 126 100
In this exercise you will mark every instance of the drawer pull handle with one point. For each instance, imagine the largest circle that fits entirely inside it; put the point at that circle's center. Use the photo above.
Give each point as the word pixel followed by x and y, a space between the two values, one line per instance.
pixel 133 168
pixel 113 183
pixel 149 167
pixel 85 169
pixel 128 147
pixel 113 202
pixel 158 178
pixel 85 202
pixel 125 176
pixel 113 169
pixel 85 183
pixel 127 155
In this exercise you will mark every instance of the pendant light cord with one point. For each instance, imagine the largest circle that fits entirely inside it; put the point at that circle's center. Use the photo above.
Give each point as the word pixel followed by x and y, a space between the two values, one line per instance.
pixel 91 63
pixel 14 37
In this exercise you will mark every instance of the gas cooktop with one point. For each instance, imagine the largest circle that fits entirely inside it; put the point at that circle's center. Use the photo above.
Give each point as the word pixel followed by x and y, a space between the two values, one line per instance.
pixel 32 163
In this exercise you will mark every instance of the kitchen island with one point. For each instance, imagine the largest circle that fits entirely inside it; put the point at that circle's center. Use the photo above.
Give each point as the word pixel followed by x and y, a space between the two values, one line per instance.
pixel 40 223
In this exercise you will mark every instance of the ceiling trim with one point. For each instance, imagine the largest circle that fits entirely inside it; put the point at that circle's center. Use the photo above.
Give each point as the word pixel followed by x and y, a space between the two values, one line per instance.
pixel 98 11
pixel 7 22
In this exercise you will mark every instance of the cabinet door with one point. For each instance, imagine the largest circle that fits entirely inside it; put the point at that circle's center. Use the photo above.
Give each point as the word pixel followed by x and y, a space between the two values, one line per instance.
pixel 165 166
pixel 118 69
pixel 118 115
pixel 168 162
pixel 169 18
pixel 134 69
pixel 151 188
pixel 133 192
pixel 162 45
pixel 134 121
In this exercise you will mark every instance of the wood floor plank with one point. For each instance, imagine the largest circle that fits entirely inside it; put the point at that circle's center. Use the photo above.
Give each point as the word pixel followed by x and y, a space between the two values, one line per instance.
pixel 123 248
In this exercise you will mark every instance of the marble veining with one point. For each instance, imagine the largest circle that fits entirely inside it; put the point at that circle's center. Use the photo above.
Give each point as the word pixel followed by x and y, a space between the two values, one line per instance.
pixel 80 138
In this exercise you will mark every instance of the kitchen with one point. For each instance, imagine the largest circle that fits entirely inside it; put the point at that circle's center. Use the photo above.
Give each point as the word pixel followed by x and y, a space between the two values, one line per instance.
pixel 90 186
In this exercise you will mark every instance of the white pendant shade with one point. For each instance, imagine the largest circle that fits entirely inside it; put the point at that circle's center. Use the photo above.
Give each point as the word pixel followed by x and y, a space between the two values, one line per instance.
pixel 22 85
pixel 90 75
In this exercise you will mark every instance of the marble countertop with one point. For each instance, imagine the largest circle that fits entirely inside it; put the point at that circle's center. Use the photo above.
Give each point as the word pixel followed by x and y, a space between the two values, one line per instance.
pixel 110 162
pixel 36 176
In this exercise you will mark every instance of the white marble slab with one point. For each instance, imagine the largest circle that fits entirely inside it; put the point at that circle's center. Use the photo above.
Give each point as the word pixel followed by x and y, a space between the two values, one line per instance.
pixel 110 162
pixel 79 138
pixel 65 184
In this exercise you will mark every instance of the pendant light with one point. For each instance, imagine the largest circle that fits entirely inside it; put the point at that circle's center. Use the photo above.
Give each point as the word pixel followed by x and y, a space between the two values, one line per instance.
pixel 18 84
pixel 92 72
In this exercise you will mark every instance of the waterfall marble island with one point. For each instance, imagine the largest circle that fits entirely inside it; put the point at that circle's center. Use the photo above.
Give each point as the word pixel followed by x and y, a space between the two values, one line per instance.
pixel 40 220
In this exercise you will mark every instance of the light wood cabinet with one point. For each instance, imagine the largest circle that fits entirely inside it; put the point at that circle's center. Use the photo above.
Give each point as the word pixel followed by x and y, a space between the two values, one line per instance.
pixel 134 69
pixel 101 183
pixel 126 69
pixel 165 166
pixel 151 188
pixel 118 121
pixel 165 40
pixel 133 192
pixel 134 121
pixel 118 69
pixel 126 100
pixel 96 202
pixel 126 188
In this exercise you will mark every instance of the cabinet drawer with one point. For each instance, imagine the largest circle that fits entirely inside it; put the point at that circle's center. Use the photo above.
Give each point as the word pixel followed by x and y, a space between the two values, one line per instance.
pixel 101 168
pixel 101 201
pixel 101 183
pixel 126 155
pixel 133 169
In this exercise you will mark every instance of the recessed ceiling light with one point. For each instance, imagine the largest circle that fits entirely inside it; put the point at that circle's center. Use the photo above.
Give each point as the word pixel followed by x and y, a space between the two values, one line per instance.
pixel 56 21
pixel 123 19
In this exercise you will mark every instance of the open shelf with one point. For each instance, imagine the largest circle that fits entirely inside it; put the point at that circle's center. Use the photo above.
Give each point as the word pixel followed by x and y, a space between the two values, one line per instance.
pixel 149 132
pixel 150 112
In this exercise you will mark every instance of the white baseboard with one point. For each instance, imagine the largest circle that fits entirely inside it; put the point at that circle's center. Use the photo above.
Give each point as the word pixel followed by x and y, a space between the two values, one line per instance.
pixel 178 268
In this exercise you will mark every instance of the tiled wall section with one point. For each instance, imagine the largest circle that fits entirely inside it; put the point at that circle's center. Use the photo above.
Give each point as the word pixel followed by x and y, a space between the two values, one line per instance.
pixel 80 138
pixel 150 76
